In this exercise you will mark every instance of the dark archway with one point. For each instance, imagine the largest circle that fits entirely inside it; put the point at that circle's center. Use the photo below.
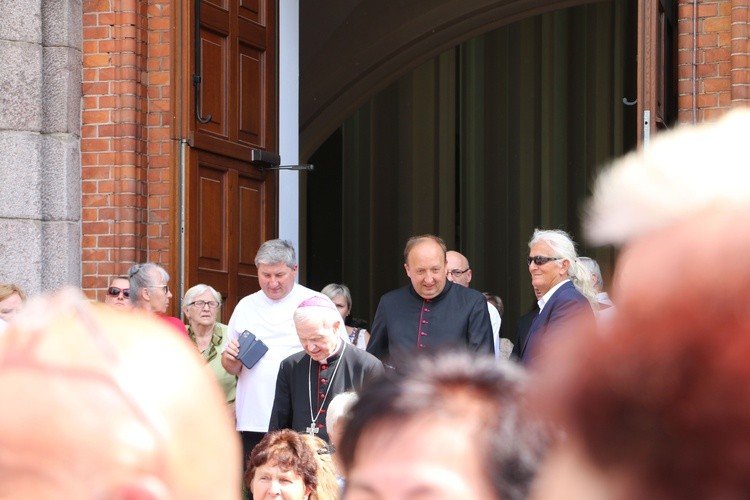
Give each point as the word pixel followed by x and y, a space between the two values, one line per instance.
pixel 350 50
pixel 479 144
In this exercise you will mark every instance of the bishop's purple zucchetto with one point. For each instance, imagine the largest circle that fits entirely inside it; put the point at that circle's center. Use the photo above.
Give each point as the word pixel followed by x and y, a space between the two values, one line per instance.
pixel 318 301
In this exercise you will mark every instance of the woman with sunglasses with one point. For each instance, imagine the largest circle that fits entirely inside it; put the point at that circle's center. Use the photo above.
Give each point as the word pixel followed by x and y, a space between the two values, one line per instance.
pixel 118 293
pixel 201 308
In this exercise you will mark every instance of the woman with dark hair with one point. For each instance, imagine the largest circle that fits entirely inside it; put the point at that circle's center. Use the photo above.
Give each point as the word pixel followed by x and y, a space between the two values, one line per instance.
pixel 282 464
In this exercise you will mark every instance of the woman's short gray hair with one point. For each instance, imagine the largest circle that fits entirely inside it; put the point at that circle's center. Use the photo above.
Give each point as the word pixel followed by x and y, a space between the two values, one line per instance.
pixel 139 277
pixel 197 290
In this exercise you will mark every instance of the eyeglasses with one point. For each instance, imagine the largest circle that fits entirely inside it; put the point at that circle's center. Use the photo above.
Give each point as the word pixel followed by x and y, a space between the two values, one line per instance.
pixel 540 260
pixel 457 272
pixel 163 287
pixel 115 292
pixel 200 304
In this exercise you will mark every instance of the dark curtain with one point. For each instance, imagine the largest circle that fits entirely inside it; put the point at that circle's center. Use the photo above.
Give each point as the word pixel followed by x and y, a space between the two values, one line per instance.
pixel 479 145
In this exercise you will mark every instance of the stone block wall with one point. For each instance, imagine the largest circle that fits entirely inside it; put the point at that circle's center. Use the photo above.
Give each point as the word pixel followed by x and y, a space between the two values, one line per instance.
pixel 40 95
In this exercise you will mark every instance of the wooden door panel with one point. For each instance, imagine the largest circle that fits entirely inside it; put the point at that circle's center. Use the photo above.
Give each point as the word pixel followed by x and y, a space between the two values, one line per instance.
pixel 212 207
pixel 214 95
pixel 208 225
pixel 251 10
pixel 254 215
pixel 231 205
pixel 251 110
pixel 251 208
pixel 221 4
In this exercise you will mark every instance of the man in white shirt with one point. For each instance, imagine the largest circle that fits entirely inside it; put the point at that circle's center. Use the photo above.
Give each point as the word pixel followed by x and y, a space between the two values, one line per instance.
pixel 459 272
pixel 268 314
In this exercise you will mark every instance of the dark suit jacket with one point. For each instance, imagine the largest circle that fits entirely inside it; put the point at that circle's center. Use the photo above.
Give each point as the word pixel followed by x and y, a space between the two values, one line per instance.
pixel 565 304
pixel 522 331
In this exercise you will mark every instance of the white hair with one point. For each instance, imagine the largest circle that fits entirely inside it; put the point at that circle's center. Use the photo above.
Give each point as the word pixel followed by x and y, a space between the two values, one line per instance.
pixel 680 173
pixel 340 407
pixel 563 246
pixel 325 315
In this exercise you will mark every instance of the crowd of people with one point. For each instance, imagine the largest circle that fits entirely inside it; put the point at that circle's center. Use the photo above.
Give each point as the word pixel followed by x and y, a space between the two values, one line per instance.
pixel 647 398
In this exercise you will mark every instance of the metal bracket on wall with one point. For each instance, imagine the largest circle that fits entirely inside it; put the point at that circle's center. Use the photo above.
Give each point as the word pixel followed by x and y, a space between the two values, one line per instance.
pixel 265 160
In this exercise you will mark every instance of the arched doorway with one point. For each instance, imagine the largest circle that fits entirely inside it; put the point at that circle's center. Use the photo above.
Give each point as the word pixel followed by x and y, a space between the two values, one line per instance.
pixel 479 144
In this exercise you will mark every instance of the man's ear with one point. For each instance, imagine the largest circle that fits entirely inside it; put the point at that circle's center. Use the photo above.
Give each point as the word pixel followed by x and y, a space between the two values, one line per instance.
pixel 406 268
pixel 565 266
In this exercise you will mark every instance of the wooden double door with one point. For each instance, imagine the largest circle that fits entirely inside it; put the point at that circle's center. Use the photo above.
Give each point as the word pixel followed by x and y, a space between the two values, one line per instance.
pixel 230 204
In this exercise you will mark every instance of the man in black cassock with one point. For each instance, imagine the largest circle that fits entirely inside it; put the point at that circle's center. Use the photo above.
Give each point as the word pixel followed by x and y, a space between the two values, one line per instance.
pixel 429 313
pixel 329 365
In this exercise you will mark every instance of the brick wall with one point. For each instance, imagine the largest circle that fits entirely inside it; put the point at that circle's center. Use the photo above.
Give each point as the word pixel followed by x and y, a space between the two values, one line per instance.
pixel 125 138
pixel 721 57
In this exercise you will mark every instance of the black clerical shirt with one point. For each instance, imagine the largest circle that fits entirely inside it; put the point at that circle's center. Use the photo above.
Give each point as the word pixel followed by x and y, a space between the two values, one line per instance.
pixel 296 400
pixel 406 323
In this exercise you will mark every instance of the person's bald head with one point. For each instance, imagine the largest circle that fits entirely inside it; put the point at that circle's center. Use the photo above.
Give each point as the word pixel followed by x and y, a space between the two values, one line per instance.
pixel 459 271
pixel 108 404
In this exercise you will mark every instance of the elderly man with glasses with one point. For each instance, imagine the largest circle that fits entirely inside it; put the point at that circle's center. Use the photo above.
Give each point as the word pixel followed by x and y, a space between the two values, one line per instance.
pixel 431 312
pixel 459 272
pixel 149 292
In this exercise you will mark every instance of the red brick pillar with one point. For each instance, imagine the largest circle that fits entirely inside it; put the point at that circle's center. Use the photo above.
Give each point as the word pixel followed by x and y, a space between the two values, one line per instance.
pixel 704 34
pixel 740 47
pixel 125 138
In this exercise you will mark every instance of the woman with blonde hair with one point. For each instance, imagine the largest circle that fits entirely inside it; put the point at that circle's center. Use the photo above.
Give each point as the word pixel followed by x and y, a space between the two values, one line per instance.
pixel 328 486
pixel 342 298
pixel 12 300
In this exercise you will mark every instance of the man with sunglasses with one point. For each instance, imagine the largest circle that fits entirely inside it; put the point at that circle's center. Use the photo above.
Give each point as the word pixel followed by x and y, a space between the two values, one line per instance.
pixel 118 293
pixel 149 292
pixel 562 284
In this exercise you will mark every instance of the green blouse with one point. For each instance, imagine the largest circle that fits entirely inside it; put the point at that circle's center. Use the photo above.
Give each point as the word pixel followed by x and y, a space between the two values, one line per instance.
pixel 227 381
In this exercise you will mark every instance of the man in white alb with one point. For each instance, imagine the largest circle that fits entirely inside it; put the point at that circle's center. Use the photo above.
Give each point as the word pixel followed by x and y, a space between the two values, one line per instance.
pixel 267 314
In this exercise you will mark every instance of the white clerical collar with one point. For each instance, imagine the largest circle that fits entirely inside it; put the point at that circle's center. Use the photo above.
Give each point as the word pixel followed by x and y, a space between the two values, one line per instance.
pixel 336 352
pixel 545 298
